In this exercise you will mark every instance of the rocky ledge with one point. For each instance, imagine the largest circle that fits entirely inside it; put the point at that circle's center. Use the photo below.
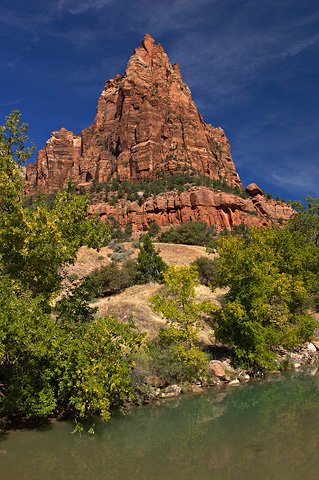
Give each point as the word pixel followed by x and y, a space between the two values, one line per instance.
pixel 224 210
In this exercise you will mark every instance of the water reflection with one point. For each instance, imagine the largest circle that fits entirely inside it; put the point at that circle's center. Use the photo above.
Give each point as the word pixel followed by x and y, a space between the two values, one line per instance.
pixel 266 429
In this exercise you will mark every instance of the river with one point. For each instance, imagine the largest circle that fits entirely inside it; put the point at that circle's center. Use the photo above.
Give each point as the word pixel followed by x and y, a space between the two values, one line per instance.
pixel 265 429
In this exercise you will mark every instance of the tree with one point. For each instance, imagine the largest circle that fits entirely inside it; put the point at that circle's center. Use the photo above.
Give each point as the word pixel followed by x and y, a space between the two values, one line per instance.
pixel 66 361
pixel 306 222
pixel 207 269
pixel 150 265
pixel 192 233
pixel 37 243
pixel 266 306
pixel 153 229
pixel 178 306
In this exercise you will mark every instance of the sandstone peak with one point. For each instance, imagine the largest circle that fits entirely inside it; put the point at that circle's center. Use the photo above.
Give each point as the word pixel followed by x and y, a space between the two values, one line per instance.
pixel 148 43
pixel 146 123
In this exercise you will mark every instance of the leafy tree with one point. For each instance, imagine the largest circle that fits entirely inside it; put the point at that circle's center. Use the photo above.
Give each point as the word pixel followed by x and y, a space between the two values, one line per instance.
pixel 36 243
pixel 306 222
pixel 93 371
pixel 153 229
pixel 47 363
pixel 178 306
pixel 207 269
pixel 266 306
pixel 110 278
pixel 150 266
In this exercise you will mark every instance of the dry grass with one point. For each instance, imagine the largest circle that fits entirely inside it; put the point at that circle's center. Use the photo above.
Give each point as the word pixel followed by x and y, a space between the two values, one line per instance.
pixel 181 255
pixel 135 301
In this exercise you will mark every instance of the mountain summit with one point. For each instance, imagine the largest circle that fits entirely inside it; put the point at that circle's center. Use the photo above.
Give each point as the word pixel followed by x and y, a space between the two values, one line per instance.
pixel 146 123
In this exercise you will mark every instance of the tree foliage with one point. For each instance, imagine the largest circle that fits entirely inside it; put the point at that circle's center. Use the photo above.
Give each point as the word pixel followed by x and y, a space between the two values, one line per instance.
pixel 266 306
pixel 150 265
pixel 192 233
pixel 207 269
pixel 66 361
pixel 182 312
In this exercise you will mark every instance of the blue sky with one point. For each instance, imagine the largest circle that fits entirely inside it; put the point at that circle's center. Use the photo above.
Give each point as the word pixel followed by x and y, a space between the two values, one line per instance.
pixel 252 67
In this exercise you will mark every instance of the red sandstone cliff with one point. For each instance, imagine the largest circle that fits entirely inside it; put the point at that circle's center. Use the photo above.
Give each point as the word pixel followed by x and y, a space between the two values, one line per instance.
pixel 145 122
pixel 224 210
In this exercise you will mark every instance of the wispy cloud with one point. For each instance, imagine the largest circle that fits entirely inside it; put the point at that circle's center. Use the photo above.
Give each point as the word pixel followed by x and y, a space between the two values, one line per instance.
pixel 298 47
pixel 76 7
pixel 12 103
pixel 296 179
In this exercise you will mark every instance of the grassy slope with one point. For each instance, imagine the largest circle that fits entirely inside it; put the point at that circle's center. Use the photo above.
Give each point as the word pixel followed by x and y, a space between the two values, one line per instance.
pixel 135 300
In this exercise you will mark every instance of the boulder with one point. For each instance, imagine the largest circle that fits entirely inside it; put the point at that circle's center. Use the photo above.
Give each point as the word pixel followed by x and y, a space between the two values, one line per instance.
pixel 217 370
pixel 171 391
pixel 252 189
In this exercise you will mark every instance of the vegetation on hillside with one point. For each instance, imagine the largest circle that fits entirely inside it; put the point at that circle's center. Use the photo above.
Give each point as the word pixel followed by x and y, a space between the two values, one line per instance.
pixel 271 276
pixel 140 190
pixel 62 362
pixel 56 356
pixel 182 312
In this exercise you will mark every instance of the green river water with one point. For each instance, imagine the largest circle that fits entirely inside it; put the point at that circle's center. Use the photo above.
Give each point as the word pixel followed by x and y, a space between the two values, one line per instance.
pixel 267 429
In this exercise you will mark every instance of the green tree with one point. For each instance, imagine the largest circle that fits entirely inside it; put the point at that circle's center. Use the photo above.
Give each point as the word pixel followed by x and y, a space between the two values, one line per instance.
pixel 177 303
pixel 266 306
pixel 192 233
pixel 36 243
pixel 306 222
pixel 49 363
pixel 150 265
pixel 153 229
pixel 110 278
pixel 207 269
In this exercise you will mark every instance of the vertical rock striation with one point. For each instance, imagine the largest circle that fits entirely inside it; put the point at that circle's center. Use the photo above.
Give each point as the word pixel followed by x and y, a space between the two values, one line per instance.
pixel 146 122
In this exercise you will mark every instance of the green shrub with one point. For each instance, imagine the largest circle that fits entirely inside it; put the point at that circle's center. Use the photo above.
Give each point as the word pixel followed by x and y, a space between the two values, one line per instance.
pixel 128 231
pixel 73 277
pixel 120 256
pixel 192 233
pixel 110 279
pixel 149 263
pixel 178 365
pixel 268 298
pixel 207 270
pixel 153 229
pixel 118 248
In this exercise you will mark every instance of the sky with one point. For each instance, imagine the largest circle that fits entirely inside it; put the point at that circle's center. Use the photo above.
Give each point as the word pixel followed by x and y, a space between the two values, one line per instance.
pixel 252 67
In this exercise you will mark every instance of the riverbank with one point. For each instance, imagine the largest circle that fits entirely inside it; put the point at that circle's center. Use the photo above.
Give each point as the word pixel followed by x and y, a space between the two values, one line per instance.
pixel 220 370
pixel 219 373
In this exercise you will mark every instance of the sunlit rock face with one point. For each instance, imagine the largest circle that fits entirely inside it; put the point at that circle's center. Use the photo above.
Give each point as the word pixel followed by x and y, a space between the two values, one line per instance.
pixel 223 210
pixel 146 122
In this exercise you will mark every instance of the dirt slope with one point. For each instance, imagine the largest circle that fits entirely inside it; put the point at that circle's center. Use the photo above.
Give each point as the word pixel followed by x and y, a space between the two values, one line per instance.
pixel 135 300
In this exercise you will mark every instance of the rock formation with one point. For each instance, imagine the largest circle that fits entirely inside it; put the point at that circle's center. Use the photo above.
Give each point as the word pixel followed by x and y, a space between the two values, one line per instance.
pixel 145 123
pixel 221 209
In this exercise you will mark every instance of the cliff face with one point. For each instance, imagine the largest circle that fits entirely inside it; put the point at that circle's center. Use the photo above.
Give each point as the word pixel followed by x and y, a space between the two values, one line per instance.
pixel 146 122
pixel 221 209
